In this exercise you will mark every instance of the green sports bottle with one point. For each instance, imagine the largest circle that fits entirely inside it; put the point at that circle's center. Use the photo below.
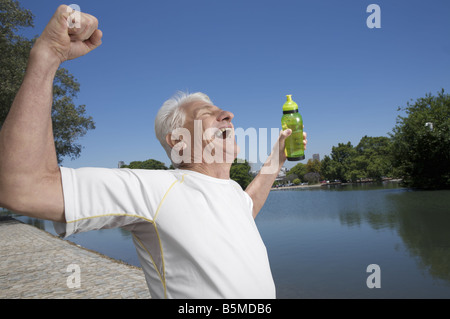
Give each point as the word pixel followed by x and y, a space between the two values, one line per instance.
pixel 292 119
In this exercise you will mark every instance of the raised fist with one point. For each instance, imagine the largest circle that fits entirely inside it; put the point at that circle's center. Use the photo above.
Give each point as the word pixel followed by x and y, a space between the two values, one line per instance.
pixel 69 35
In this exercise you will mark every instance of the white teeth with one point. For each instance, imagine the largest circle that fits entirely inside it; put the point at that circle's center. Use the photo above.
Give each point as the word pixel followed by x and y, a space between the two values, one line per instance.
pixel 219 132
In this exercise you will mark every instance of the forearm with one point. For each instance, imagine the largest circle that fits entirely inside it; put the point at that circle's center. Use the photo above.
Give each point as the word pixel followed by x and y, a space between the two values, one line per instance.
pixel 259 188
pixel 27 151
pixel 26 138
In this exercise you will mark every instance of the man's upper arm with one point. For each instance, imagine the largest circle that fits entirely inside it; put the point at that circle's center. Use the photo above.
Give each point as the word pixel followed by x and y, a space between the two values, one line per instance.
pixel 249 202
pixel 50 198
pixel 35 197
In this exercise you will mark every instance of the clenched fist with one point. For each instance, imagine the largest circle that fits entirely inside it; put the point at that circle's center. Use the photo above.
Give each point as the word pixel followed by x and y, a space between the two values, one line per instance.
pixel 64 38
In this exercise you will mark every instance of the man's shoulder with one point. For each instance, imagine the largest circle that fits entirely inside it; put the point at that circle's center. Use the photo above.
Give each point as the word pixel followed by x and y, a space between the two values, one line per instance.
pixel 160 175
pixel 120 174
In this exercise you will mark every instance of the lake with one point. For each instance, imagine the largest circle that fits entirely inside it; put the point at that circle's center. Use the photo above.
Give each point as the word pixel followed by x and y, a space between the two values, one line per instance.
pixel 321 240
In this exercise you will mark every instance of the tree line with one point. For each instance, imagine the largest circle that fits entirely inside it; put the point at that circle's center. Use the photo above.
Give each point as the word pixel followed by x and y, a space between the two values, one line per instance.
pixel 416 151
pixel 370 159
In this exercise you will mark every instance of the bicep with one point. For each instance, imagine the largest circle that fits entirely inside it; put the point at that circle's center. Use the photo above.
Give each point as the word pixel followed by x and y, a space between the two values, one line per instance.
pixel 50 198
pixel 37 197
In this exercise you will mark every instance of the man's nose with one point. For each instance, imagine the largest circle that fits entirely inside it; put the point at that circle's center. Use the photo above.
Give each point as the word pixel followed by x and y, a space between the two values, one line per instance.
pixel 225 116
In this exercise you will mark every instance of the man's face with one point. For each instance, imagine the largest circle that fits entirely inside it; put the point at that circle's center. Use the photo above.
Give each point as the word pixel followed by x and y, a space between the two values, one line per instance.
pixel 211 132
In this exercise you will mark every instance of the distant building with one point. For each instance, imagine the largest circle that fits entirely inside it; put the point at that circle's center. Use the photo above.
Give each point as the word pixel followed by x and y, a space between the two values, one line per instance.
pixel 316 157
pixel 282 174
pixel 120 164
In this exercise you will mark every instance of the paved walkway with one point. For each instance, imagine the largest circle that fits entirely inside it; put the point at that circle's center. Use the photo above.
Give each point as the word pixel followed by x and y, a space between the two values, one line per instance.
pixel 33 264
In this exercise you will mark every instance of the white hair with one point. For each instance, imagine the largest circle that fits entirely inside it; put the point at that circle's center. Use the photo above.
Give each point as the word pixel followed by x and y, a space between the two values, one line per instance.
pixel 170 117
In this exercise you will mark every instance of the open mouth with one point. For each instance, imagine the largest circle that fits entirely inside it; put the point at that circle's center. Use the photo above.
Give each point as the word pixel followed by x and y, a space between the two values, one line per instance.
pixel 224 132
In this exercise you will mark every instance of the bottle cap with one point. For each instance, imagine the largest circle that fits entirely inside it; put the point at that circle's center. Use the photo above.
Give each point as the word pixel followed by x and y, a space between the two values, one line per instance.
pixel 289 105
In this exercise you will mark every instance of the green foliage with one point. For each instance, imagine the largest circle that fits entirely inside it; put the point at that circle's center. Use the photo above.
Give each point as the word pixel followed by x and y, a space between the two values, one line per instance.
pixel 299 170
pixel 339 165
pixel 240 173
pixel 290 177
pixel 70 122
pixel 296 181
pixel 312 178
pixel 14 52
pixel 370 159
pixel 12 18
pixel 373 158
pixel 421 153
pixel 314 166
pixel 148 164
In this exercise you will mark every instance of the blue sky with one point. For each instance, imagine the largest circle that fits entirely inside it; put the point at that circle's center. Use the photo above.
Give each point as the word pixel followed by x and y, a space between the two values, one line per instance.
pixel 247 55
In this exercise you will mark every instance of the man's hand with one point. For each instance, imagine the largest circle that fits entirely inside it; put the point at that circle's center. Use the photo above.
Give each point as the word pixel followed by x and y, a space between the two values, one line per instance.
pixel 278 155
pixel 61 43
pixel 281 142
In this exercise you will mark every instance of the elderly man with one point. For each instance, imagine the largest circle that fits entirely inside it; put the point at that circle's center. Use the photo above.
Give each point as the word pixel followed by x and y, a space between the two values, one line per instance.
pixel 193 227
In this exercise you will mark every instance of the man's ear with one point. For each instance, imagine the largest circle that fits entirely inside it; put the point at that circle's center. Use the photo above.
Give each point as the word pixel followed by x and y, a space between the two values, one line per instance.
pixel 170 141
pixel 179 143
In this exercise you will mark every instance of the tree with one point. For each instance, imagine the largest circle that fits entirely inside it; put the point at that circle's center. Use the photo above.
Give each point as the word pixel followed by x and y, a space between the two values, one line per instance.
pixel 326 168
pixel 14 52
pixel 70 122
pixel 370 159
pixel 314 166
pixel 240 173
pixel 299 170
pixel 374 157
pixel 421 142
pixel 338 166
pixel 148 164
pixel 312 178
pixel 290 178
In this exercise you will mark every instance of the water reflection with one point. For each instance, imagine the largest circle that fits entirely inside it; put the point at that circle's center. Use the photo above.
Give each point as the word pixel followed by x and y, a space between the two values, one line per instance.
pixel 423 222
pixel 320 241
pixel 372 208
pixel 420 218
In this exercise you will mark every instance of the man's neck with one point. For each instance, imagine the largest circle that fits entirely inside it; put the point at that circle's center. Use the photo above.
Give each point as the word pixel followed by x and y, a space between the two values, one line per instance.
pixel 217 170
